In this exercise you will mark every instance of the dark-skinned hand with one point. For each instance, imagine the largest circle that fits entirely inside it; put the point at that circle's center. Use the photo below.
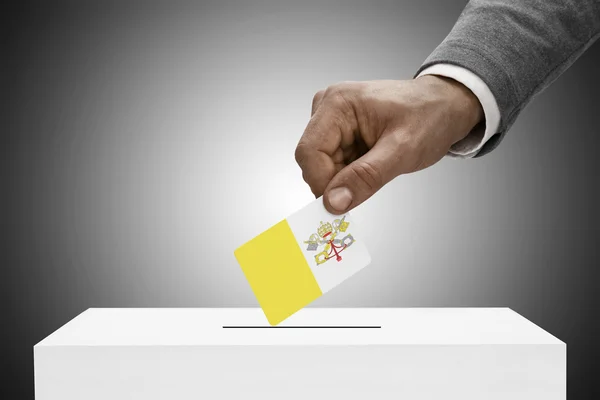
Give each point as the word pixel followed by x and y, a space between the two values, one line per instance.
pixel 362 135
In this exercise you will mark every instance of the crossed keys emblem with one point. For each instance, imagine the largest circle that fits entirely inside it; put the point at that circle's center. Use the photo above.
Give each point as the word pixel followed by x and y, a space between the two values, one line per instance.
pixel 327 236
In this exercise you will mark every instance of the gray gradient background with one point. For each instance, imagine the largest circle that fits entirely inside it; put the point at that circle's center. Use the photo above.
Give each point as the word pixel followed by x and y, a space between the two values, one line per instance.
pixel 143 142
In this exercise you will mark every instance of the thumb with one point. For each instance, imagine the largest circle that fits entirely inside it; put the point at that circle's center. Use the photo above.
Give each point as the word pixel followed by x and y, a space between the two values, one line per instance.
pixel 361 179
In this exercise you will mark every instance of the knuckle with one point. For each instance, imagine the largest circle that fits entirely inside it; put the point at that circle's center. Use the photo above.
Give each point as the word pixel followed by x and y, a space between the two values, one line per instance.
pixel 333 89
pixel 336 89
pixel 368 174
pixel 338 100
pixel 317 97
pixel 300 153
pixel 305 176
pixel 341 96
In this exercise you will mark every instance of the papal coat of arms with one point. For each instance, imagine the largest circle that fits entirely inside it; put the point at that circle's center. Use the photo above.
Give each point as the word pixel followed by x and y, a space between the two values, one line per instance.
pixel 327 236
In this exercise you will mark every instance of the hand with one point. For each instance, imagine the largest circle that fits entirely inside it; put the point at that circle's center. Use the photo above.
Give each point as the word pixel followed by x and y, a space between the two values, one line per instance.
pixel 362 135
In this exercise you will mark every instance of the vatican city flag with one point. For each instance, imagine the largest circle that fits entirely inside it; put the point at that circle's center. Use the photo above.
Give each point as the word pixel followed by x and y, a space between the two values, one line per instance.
pixel 300 258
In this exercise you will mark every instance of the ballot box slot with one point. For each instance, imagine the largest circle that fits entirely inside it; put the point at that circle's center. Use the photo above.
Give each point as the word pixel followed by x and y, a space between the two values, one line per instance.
pixel 302 327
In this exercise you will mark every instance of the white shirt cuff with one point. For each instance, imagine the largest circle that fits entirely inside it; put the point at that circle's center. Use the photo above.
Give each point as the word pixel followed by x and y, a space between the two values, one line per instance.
pixel 470 145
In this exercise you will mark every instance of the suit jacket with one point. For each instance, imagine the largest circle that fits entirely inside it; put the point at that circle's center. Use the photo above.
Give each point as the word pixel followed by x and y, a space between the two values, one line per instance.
pixel 518 48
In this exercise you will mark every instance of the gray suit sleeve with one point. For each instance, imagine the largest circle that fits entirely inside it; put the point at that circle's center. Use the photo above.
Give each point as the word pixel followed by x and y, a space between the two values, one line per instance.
pixel 518 48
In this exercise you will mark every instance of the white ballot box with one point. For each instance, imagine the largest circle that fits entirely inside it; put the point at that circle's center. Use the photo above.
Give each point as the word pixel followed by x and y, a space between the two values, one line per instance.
pixel 344 353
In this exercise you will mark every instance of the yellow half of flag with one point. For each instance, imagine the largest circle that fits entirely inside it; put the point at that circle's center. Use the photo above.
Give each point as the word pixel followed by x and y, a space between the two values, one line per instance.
pixel 278 272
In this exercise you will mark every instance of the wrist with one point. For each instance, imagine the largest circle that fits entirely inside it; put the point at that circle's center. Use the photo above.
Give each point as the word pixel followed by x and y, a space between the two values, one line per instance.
pixel 462 102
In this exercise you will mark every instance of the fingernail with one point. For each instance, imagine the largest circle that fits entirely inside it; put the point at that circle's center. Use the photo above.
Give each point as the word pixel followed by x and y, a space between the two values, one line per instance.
pixel 340 198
